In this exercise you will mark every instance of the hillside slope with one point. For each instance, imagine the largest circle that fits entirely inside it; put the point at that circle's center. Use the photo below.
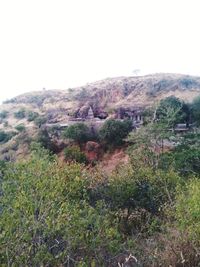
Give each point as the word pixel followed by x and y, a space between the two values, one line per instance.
pixel 109 94
pixel 106 98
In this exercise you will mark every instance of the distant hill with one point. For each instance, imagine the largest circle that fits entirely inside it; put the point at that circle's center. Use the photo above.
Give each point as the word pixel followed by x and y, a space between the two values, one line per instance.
pixel 105 97
pixel 114 92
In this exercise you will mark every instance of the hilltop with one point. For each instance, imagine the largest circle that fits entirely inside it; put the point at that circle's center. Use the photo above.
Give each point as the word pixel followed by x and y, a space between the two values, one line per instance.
pixel 112 93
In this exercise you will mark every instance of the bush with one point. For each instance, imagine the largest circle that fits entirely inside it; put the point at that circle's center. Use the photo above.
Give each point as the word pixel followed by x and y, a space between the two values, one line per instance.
pixel 20 114
pixel 185 157
pixel 40 120
pixel 79 132
pixel 3 114
pixel 6 136
pixel 5 124
pixel 31 115
pixel 195 107
pixel 73 153
pixel 172 111
pixel 45 140
pixel 20 127
pixel 187 209
pixel 114 131
pixel 138 197
pixel 46 218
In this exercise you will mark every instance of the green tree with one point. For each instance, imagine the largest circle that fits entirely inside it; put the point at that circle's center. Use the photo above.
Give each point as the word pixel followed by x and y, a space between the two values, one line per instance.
pixel 20 114
pixel 20 127
pixel 3 114
pixel 171 111
pixel 185 156
pixel 79 132
pixel 31 115
pixel 113 131
pixel 6 136
pixel 73 153
pixel 40 120
pixel 146 145
pixel 45 140
pixel 195 107
pixel 187 209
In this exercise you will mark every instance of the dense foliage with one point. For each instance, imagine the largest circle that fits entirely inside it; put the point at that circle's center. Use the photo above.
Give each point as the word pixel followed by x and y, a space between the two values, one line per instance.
pixel 20 127
pixel 6 136
pixel 73 153
pixel 47 218
pixel 146 213
pixel 79 132
pixel 171 111
pixel 195 107
pixel 40 120
pixel 20 114
pixel 114 131
pixel 31 115
pixel 3 114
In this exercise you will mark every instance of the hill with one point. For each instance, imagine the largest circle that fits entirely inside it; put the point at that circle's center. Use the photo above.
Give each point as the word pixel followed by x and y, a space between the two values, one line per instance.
pixel 109 94
pixel 104 99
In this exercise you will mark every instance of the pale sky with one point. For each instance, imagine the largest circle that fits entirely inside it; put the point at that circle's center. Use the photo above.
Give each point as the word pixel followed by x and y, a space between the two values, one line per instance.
pixel 57 44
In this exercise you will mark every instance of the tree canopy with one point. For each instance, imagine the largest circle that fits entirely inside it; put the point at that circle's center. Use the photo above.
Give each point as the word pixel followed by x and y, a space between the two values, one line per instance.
pixel 79 132
pixel 171 111
pixel 114 131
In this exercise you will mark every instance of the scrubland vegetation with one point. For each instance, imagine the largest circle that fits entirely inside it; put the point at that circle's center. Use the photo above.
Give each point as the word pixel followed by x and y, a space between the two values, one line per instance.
pixel 146 213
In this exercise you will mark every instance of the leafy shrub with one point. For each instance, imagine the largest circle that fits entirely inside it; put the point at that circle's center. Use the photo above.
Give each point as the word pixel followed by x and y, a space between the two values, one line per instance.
pixel 20 114
pixel 184 160
pixel 31 115
pixel 138 197
pixel 114 131
pixel 3 114
pixel 24 138
pixel 79 132
pixel 6 136
pixel 5 124
pixel 45 140
pixel 73 153
pixel 189 83
pixel 20 127
pixel 187 209
pixel 46 218
pixel 185 157
pixel 40 120
pixel 195 107
pixel 172 111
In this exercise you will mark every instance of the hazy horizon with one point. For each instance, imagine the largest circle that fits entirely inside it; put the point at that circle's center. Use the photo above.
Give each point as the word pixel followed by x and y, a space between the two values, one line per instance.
pixel 64 44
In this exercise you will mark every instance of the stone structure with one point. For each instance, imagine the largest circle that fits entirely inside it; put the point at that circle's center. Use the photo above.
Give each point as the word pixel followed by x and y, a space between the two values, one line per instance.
pixel 133 114
pixel 95 120
pixel 90 114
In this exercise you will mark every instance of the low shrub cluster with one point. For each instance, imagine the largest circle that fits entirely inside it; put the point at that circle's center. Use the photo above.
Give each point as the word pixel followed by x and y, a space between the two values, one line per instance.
pixel 20 127
pixel 3 114
pixel 73 153
pixel 20 114
pixel 47 219
pixel 6 136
